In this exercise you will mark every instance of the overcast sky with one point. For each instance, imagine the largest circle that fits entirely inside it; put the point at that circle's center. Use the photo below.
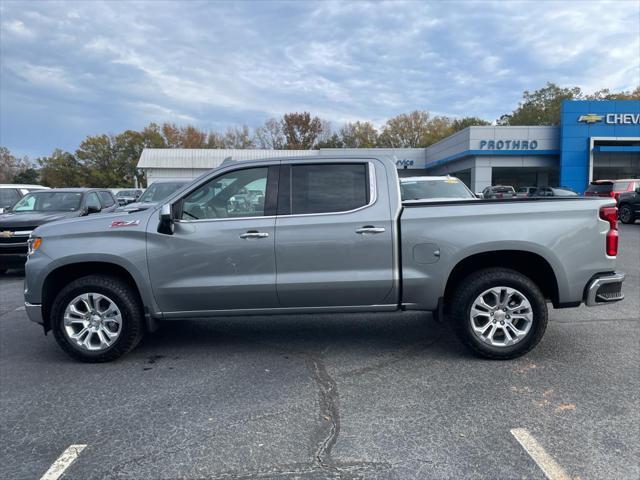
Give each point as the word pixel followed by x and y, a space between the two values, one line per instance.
pixel 71 69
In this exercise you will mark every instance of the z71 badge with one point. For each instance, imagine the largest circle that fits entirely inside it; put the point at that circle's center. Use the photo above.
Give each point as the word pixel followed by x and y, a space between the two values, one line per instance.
pixel 124 223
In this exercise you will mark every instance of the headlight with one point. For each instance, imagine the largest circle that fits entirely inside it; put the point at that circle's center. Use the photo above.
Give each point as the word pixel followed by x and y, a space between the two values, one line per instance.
pixel 33 244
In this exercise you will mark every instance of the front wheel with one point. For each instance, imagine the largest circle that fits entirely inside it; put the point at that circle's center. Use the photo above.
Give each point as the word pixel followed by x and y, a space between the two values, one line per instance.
pixel 626 214
pixel 97 318
pixel 499 313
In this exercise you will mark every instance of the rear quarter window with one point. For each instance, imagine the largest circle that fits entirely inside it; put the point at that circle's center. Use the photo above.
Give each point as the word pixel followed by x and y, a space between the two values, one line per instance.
pixel 107 199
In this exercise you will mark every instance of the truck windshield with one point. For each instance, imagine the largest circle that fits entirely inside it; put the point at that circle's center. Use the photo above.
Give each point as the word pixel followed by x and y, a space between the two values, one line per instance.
pixel 434 188
pixel 49 202
pixel 159 191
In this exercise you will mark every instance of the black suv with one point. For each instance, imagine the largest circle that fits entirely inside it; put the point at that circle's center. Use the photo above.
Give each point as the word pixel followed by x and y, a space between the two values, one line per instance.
pixel 37 208
pixel 629 206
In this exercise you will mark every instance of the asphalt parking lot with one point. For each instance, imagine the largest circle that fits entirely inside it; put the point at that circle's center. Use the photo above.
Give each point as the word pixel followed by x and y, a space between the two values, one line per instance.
pixel 358 396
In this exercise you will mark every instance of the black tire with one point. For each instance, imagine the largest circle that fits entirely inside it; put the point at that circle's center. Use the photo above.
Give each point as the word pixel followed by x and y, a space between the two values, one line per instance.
pixel 476 283
pixel 626 214
pixel 127 301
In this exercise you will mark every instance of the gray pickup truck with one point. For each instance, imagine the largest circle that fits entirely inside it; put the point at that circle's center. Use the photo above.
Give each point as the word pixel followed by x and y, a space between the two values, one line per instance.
pixel 320 234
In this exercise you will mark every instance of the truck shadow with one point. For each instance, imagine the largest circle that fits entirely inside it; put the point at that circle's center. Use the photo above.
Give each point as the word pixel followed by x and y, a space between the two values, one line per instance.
pixel 308 334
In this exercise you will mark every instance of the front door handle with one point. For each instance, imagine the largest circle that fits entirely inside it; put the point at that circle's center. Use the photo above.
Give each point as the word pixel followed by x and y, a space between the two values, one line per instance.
pixel 370 230
pixel 254 234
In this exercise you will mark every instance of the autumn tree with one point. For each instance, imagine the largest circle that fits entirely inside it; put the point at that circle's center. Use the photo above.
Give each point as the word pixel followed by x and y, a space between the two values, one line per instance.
pixel 269 135
pixel 238 137
pixel 359 135
pixel 300 130
pixel 414 130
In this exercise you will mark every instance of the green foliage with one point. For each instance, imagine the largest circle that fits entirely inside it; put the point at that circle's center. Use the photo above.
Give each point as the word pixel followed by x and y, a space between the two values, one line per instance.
pixel 61 169
pixel 28 176
pixel 464 122
pixel 541 107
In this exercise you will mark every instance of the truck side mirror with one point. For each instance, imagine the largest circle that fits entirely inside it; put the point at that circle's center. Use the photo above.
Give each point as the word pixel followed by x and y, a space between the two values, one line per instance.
pixel 638 190
pixel 166 220
pixel 92 209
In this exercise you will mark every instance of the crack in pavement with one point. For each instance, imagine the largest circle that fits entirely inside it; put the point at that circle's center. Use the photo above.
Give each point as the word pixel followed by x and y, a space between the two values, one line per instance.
pixel 329 412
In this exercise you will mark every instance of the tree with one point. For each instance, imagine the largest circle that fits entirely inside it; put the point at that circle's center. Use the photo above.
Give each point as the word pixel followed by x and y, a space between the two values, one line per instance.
pixel 214 140
pixel 8 165
pixel 605 94
pixel 334 141
pixel 414 130
pixel 300 130
pixel 28 176
pixel 269 136
pixel 464 122
pixel 238 137
pixel 61 169
pixel 541 107
pixel 359 135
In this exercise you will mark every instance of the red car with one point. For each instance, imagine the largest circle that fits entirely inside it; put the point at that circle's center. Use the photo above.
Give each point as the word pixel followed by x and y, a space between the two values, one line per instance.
pixel 611 188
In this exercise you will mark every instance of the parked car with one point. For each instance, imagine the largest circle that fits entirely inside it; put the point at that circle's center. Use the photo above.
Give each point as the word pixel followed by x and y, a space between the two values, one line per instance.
pixel 525 191
pixel 10 193
pixel 629 206
pixel 624 185
pixel 156 192
pixel 40 207
pixel 125 197
pixel 611 188
pixel 498 191
pixel 553 192
pixel 331 235
pixel 434 188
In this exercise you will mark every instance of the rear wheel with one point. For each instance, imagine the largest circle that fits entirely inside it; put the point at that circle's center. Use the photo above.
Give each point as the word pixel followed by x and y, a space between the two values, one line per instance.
pixel 626 214
pixel 97 318
pixel 499 313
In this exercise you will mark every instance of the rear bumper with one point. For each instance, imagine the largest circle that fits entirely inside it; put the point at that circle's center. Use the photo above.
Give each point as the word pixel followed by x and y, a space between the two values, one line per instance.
pixel 605 288
pixel 34 312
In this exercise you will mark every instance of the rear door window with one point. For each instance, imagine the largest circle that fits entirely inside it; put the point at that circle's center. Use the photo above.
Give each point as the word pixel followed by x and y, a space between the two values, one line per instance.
pixel 327 188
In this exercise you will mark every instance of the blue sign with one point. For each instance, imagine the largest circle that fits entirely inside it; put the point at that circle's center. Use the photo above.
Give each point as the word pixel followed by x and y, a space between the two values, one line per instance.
pixel 508 144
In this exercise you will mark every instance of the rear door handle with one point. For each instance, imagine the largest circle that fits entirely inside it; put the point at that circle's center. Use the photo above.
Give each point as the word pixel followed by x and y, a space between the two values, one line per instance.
pixel 370 230
pixel 254 234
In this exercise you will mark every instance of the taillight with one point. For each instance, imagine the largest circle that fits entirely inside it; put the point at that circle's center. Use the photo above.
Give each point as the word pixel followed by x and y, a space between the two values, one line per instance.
pixel 610 214
pixel 612 194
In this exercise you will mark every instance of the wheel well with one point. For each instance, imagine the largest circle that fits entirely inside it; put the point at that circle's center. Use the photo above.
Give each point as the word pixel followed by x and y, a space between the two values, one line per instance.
pixel 529 264
pixel 62 276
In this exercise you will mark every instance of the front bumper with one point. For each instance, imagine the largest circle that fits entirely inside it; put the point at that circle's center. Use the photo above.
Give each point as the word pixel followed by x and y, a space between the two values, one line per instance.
pixel 606 288
pixel 12 260
pixel 34 312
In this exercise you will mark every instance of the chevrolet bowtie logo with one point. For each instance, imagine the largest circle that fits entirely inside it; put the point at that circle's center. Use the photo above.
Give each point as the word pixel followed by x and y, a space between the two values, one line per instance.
pixel 590 118
pixel 6 234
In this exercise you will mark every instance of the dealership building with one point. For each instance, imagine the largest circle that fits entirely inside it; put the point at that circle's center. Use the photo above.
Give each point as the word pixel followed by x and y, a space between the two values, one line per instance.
pixel 595 140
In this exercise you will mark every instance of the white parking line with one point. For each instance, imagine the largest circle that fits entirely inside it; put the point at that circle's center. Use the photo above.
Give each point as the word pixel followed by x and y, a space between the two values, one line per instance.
pixel 547 464
pixel 63 462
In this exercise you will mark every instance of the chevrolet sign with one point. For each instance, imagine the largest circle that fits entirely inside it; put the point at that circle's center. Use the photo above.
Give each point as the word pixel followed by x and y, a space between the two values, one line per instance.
pixel 6 234
pixel 611 118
